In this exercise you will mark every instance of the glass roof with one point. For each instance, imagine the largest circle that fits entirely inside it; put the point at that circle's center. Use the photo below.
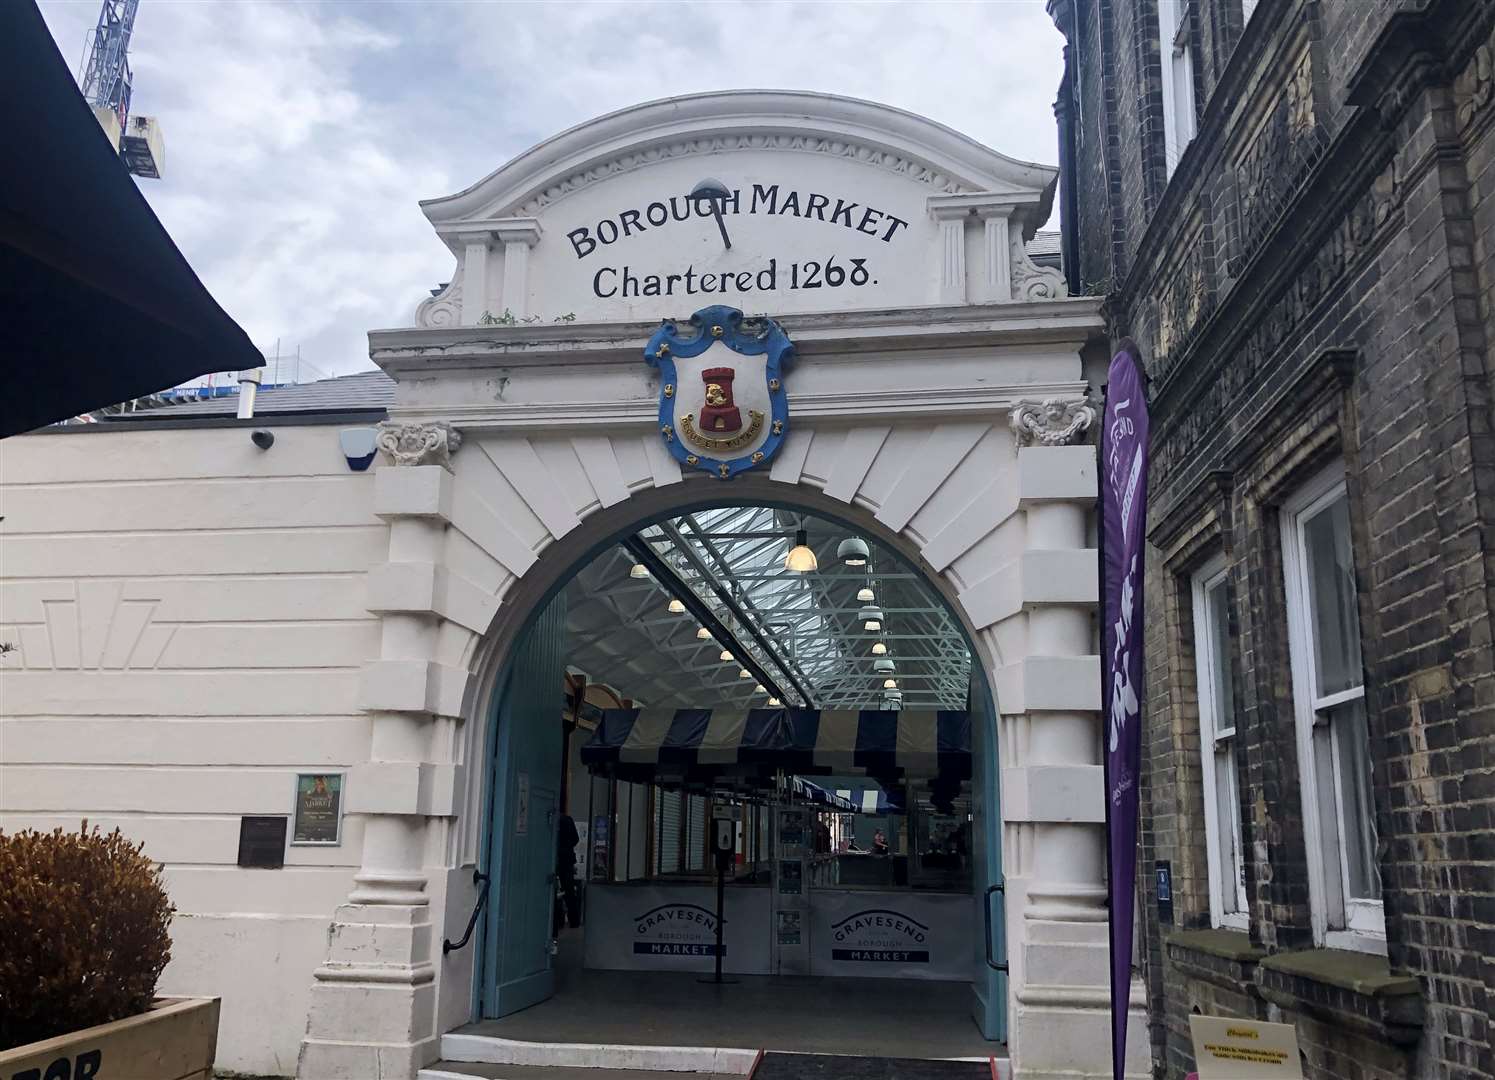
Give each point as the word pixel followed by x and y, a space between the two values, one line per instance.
pixel 802 633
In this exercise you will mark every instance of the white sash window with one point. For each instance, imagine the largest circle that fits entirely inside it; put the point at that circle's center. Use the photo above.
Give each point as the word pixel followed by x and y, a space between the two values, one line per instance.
pixel 1217 748
pixel 1329 703
pixel 1178 79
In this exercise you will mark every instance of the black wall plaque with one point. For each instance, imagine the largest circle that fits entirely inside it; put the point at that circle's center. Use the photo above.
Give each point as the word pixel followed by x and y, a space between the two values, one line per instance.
pixel 262 842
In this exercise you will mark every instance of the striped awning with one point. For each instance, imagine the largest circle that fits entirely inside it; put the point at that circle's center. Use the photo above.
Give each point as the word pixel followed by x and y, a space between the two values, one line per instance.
pixel 868 801
pixel 705 742
pixel 813 792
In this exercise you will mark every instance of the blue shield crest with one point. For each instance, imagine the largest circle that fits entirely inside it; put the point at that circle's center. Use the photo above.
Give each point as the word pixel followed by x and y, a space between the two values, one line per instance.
pixel 722 406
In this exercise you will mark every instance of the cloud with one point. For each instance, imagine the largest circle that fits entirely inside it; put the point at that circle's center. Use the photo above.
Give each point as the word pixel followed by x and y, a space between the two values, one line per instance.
pixel 300 137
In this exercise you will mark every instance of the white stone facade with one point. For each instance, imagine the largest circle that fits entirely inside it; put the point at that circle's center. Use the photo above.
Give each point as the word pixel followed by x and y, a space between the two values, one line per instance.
pixel 191 616
pixel 311 616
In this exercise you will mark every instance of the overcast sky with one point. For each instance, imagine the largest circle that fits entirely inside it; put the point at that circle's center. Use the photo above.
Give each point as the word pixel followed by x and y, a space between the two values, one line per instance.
pixel 299 136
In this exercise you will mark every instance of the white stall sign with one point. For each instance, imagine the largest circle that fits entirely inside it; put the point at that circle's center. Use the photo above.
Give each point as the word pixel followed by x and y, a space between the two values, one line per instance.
pixel 673 928
pixel 881 935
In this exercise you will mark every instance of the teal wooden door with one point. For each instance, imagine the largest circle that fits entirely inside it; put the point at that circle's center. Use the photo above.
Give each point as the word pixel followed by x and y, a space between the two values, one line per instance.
pixel 990 982
pixel 526 776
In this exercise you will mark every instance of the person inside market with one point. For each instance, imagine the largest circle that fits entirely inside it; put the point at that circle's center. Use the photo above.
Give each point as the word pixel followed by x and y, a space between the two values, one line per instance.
pixel 566 839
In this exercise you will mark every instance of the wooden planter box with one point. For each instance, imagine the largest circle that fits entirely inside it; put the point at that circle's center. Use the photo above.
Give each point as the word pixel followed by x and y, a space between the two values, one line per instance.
pixel 176 1040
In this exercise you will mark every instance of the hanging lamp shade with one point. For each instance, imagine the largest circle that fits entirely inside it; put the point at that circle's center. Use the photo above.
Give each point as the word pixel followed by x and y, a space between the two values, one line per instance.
pixel 800 558
pixel 726 655
pixel 852 551
pixel 774 702
pixel 703 634
pixel 890 684
pixel 883 665
pixel 871 617
pixel 879 649
pixel 759 689
pixel 639 571
pixel 744 674
pixel 865 594
pixel 677 606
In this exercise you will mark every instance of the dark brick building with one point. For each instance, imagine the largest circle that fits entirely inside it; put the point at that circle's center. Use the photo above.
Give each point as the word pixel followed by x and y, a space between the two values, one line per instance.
pixel 1291 206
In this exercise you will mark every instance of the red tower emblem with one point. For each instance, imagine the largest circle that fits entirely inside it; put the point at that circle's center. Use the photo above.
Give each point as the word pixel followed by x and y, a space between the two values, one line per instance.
pixel 719 413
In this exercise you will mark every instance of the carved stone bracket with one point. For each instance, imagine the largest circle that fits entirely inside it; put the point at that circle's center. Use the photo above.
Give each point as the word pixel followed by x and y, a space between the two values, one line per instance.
pixel 1032 282
pixel 443 309
pixel 1052 421
pixel 420 444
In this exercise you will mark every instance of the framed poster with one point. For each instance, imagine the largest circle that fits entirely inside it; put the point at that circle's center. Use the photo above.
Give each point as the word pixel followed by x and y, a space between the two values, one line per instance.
pixel 790 928
pixel 599 848
pixel 319 809
pixel 791 877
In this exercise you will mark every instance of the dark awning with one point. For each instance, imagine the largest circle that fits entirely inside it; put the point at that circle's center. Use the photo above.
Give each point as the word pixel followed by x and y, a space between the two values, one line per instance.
pixel 97 305
pixel 699 744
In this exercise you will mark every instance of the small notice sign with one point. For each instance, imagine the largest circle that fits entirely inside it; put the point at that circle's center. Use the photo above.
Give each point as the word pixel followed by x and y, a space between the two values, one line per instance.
pixel 521 806
pixel 319 809
pixel 1229 1049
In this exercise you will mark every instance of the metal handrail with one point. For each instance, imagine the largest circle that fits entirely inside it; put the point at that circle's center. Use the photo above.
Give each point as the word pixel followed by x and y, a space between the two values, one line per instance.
pixel 479 878
pixel 986 905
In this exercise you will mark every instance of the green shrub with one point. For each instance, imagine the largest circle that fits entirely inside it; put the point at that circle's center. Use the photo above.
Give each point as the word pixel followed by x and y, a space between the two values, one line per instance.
pixel 84 932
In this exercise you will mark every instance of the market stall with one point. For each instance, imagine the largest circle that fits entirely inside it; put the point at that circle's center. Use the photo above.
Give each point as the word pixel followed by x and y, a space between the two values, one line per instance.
pixel 852 834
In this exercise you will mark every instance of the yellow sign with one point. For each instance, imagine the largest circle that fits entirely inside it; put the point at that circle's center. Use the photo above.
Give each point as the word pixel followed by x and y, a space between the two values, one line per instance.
pixel 1229 1049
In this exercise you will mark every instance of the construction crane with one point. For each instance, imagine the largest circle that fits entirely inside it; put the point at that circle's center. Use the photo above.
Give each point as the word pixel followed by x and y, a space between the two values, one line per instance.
pixel 107 82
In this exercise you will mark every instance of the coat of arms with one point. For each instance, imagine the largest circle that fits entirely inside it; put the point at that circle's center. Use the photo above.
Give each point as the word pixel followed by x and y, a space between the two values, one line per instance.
pixel 722 406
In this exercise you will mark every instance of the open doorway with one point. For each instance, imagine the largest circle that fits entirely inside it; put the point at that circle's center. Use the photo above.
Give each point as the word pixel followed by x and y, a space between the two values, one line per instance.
pixel 778 671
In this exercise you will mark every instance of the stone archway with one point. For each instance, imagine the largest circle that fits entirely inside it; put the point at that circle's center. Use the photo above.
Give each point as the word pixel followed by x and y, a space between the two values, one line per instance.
pixel 1000 529
pixel 953 430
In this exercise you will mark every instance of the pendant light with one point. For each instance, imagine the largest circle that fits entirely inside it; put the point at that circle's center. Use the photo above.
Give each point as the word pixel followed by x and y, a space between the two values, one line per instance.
pixel 890 684
pixel 677 606
pixel 639 571
pixel 800 558
pixel 871 617
pixel 726 656
pixel 865 594
pixel 852 551
pixel 744 674
pixel 774 703
pixel 885 665
pixel 879 649
pixel 759 689
pixel 703 634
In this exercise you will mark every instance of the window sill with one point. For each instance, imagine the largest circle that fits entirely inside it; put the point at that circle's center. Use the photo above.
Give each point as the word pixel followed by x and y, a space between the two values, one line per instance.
pixel 1225 958
pixel 1349 988
pixel 1355 941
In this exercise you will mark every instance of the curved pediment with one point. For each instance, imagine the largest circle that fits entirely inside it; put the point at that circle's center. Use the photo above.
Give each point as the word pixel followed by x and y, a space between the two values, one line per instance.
pixel 827 203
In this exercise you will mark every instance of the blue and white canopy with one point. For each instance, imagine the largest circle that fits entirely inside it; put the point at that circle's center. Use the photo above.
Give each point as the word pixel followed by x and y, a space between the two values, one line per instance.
pixel 812 792
pixel 705 743
pixel 871 800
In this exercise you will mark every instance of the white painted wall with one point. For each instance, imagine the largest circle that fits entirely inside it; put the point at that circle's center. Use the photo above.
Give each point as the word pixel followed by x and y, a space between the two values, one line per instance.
pixel 191 616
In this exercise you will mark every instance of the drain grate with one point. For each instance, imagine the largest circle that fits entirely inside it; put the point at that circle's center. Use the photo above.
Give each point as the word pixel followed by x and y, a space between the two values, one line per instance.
pixel 835 1067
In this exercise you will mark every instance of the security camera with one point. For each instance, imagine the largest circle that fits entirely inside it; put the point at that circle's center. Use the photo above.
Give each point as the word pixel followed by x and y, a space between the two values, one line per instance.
pixel 263 439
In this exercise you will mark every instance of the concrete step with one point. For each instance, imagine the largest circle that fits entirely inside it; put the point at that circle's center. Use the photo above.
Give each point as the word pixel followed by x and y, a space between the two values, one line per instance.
pixel 466 1070
pixel 458 1046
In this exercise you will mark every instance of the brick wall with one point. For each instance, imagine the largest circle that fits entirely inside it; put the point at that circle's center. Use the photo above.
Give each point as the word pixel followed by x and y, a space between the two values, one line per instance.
pixel 1316 282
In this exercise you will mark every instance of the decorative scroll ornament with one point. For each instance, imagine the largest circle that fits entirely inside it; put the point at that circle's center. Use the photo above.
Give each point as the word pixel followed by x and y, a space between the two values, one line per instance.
pixel 1051 422
pixel 1033 282
pixel 443 309
pixel 420 444
pixel 722 406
